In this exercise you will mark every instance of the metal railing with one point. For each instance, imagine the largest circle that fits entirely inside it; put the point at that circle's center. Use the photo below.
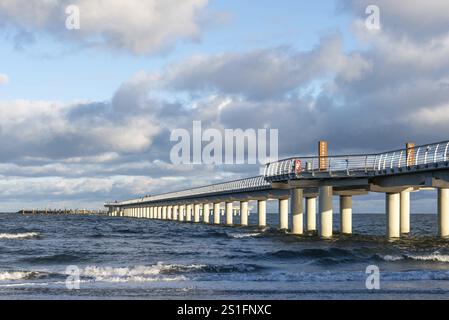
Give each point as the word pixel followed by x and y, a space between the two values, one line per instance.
pixel 249 184
pixel 416 158
pixel 362 165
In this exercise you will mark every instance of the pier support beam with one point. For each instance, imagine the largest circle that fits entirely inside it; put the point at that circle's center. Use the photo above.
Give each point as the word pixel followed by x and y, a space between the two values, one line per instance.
pixel 175 213
pixel 217 215
pixel 443 213
pixel 311 214
pixel 244 213
pixel 182 210
pixel 262 212
pixel 159 213
pixel 196 209
pixel 326 212
pixel 346 214
pixel 151 212
pixel 170 213
pixel 164 213
pixel 189 213
pixel 283 214
pixel 393 207
pixel 206 213
pixel 297 209
pixel 229 214
pixel 405 212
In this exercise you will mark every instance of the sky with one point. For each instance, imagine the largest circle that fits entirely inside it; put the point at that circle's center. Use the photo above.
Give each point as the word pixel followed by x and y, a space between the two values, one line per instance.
pixel 86 114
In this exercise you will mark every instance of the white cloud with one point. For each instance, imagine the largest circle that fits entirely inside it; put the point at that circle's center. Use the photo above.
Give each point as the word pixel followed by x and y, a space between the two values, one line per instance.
pixel 138 26
pixel 3 79
pixel 267 73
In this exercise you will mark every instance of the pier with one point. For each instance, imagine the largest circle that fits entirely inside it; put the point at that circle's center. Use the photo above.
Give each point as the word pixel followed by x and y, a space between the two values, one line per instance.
pixel 306 186
pixel 62 212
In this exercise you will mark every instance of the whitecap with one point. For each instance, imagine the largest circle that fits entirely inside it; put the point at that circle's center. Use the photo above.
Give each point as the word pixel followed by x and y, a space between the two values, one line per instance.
pixel 18 236
pixel 244 235
pixel 157 272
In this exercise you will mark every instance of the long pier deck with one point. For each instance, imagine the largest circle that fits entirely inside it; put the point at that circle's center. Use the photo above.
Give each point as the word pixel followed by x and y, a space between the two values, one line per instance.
pixel 304 184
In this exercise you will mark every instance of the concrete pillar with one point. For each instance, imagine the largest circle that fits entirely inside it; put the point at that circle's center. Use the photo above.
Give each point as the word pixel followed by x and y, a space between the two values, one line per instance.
pixel 159 213
pixel 405 212
pixel 311 214
pixel 244 213
pixel 326 211
pixel 346 214
pixel 169 212
pixel 196 210
pixel 297 209
pixel 217 213
pixel 164 213
pixel 189 213
pixel 151 213
pixel 262 212
pixel 181 213
pixel 393 207
pixel 443 212
pixel 206 213
pixel 229 214
pixel 175 213
pixel 283 214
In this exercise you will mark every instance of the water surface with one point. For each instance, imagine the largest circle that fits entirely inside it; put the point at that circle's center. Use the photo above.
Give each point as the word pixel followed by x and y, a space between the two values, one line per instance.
pixel 146 259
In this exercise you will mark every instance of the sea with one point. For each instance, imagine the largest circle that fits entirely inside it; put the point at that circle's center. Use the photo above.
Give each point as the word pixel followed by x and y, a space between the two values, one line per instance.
pixel 100 257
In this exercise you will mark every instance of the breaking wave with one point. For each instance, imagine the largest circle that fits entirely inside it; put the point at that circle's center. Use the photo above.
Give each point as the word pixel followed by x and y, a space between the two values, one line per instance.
pixel 18 236
pixel 434 257
pixel 21 275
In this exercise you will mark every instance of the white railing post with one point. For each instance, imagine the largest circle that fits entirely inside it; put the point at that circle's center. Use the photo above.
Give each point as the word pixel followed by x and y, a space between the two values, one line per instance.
pixel 417 156
pixel 436 154
pixel 445 151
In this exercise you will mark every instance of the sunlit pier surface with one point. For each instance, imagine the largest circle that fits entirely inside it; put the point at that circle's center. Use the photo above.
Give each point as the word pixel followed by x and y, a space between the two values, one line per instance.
pixel 305 186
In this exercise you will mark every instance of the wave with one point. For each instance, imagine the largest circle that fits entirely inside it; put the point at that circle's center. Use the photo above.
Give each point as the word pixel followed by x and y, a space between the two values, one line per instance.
pixel 163 272
pixel 18 236
pixel 129 274
pixel 433 257
pixel 243 235
pixel 21 275
pixel 326 277
pixel 56 258
pixel 311 253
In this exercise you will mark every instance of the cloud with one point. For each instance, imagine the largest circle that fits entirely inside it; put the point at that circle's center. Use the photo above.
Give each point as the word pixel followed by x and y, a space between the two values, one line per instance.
pixel 3 79
pixel 137 26
pixel 394 90
pixel 267 73
pixel 405 18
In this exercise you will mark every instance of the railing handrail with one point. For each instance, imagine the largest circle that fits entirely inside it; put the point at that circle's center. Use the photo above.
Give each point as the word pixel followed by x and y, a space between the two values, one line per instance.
pixel 283 169
pixel 191 191
pixel 390 160
pixel 357 154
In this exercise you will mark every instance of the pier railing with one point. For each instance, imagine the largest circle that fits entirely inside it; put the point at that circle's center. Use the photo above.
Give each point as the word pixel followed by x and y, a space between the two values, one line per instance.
pixel 414 158
pixel 424 157
pixel 249 184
